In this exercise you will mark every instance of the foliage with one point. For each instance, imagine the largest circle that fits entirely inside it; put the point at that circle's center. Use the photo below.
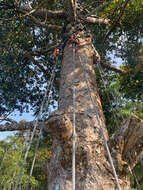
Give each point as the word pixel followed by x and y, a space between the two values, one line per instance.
pixel 137 176
pixel 12 152
pixel 22 83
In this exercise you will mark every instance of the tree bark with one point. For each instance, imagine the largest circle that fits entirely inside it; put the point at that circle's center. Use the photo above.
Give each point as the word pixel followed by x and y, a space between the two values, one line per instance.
pixel 93 170
pixel 127 144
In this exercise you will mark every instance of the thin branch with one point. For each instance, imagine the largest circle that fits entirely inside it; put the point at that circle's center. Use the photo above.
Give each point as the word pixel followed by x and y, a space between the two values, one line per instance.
pixel 117 21
pixel 110 67
pixel 44 51
pixel 113 68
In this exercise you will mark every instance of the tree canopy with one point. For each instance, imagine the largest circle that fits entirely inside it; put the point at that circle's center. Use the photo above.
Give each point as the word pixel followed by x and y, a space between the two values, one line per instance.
pixel 29 32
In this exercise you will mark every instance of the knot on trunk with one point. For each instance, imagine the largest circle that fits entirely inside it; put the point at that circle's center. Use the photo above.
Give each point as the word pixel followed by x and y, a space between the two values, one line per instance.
pixel 60 125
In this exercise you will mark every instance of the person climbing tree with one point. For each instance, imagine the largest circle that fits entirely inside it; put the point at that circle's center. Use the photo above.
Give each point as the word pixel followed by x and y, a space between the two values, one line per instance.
pixel 67 37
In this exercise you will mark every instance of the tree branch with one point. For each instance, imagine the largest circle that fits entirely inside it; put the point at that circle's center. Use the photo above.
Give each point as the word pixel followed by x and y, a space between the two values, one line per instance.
pixel 94 20
pixel 12 125
pixel 43 13
pixel 45 51
pixel 117 21
pixel 113 68
pixel 110 67
pixel 127 144
pixel 41 24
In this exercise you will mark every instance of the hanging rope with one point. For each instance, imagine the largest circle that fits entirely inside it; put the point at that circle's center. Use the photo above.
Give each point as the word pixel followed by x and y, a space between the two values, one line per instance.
pixel 117 106
pixel 100 124
pixel 34 130
pixel 74 128
pixel 34 159
pixel 41 130
pixel 105 86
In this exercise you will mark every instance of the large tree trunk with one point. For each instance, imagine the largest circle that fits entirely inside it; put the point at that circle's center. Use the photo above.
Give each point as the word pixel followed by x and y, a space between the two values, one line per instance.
pixel 93 170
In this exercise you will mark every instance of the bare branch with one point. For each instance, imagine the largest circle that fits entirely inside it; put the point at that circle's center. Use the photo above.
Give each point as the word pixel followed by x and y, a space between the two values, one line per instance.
pixel 12 125
pixel 117 21
pixel 127 144
pixel 94 20
pixel 113 68
pixel 7 119
pixel 110 67
pixel 16 127
pixel 43 13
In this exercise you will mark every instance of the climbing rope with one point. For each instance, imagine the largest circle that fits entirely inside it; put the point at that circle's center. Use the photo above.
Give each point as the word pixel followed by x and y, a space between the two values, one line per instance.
pixel 34 159
pixel 41 130
pixel 113 93
pixel 105 86
pixel 99 122
pixel 35 127
pixel 73 124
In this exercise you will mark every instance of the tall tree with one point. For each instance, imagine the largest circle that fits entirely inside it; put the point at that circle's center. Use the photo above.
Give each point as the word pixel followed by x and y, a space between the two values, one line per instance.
pixel 30 31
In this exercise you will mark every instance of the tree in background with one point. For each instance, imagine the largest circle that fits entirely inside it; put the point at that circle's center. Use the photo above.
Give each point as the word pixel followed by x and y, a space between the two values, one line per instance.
pixel 30 31
pixel 12 152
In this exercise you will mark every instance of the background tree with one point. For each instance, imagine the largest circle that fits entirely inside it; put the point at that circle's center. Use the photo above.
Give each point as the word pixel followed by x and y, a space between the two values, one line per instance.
pixel 32 29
